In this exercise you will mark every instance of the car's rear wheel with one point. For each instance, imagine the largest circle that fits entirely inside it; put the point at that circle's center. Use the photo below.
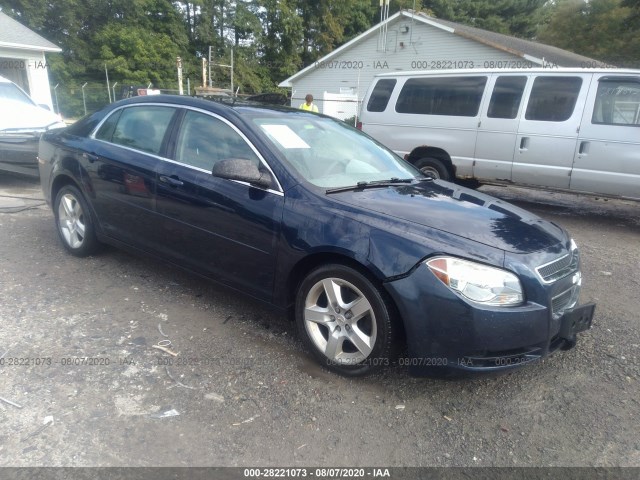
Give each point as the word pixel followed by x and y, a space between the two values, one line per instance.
pixel 344 320
pixel 73 221
pixel 434 168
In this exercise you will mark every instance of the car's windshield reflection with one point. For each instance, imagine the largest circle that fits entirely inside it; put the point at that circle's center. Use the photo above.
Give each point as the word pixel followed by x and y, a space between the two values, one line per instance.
pixel 330 154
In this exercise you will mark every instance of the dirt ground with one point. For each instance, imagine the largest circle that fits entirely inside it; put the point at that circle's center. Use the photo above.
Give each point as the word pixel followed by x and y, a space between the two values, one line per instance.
pixel 78 334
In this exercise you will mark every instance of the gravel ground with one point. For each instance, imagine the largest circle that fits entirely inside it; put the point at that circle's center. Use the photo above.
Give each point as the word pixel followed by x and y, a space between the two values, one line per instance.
pixel 243 392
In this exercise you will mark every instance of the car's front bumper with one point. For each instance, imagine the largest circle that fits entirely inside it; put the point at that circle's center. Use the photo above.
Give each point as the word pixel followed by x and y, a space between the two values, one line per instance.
pixel 447 334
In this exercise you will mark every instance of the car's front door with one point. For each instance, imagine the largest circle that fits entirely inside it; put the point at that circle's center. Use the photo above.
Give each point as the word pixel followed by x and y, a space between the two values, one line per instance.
pixel 548 131
pixel 608 155
pixel 225 229
pixel 121 162
pixel 498 128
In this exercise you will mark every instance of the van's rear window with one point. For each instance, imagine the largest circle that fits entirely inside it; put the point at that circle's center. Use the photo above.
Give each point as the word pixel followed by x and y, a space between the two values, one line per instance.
pixel 381 94
pixel 454 96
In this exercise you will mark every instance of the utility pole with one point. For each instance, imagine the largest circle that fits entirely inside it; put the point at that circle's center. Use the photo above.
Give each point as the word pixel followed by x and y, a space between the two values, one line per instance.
pixel 210 81
pixel 179 65
pixel 84 101
pixel 108 87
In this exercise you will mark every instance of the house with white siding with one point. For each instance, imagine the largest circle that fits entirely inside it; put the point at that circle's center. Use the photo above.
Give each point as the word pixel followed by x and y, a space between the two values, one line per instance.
pixel 414 41
pixel 22 59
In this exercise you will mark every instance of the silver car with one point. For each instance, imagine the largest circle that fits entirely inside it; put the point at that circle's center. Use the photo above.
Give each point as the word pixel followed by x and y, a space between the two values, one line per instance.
pixel 22 122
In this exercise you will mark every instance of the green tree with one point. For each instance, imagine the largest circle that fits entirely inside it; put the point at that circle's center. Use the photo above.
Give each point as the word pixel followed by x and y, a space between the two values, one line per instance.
pixel 600 29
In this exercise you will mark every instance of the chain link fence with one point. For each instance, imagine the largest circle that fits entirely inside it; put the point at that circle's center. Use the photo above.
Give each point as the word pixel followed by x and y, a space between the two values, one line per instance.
pixel 73 102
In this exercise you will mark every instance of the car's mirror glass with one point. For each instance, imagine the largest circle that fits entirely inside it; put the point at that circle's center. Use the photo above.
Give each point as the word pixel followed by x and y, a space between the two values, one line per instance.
pixel 242 170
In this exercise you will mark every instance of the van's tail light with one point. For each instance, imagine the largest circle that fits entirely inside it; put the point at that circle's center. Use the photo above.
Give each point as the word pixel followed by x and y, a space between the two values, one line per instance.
pixel 359 125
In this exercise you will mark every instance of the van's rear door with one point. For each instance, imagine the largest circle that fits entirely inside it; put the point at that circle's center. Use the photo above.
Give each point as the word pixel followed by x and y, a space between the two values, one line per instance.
pixel 548 130
pixel 607 159
pixel 498 127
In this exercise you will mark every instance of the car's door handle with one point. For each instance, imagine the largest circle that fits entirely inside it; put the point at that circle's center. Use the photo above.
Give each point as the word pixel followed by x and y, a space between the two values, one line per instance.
pixel 92 157
pixel 524 143
pixel 584 148
pixel 172 181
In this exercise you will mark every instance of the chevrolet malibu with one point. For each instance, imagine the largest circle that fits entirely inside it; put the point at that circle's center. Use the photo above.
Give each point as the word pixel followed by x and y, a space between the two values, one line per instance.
pixel 315 218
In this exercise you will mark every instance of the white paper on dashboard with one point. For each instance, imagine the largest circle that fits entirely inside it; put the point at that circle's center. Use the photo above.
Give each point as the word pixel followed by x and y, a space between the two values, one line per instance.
pixel 285 136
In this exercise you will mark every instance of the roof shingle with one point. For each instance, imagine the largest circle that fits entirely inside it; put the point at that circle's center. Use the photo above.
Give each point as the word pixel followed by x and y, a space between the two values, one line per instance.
pixel 14 34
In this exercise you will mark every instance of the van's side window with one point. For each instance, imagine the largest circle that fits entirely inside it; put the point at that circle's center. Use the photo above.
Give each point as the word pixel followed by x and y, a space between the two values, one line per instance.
pixel 381 94
pixel 553 99
pixel 617 103
pixel 506 97
pixel 455 96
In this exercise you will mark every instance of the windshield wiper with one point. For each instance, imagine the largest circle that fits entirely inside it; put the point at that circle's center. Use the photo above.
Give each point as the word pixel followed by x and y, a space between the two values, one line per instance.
pixel 372 184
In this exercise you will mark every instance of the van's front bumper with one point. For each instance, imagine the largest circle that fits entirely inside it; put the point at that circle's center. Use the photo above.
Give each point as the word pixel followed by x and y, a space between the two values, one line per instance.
pixel 447 334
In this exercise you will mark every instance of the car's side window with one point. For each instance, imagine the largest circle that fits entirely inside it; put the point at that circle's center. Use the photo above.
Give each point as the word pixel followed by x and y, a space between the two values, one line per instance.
pixel 204 140
pixel 553 99
pixel 381 94
pixel 453 96
pixel 105 132
pixel 506 97
pixel 142 127
pixel 617 102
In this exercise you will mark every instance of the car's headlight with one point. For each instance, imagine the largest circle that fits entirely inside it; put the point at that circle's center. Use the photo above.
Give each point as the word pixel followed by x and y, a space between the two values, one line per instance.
pixel 477 282
pixel 574 245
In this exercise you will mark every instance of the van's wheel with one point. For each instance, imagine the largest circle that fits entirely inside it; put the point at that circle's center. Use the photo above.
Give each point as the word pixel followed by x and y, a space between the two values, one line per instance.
pixel 74 223
pixel 344 320
pixel 434 168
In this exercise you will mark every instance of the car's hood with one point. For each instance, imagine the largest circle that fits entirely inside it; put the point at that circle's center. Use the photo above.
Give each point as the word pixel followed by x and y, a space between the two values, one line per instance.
pixel 19 115
pixel 462 212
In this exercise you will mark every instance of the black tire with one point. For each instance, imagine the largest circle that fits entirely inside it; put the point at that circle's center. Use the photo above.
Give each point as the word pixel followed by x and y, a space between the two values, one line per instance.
pixel 363 341
pixel 434 168
pixel 74 223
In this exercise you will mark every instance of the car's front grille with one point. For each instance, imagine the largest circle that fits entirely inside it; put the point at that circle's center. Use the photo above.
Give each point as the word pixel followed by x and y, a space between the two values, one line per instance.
pixel 560 302
pixel 559 268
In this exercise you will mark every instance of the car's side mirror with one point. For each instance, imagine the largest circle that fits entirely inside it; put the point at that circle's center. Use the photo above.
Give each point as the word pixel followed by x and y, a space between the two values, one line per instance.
pixel 241 170
pixel 45 106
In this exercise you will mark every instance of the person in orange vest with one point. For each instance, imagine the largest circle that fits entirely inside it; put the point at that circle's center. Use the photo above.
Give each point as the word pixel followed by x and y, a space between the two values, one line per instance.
pixel 308 104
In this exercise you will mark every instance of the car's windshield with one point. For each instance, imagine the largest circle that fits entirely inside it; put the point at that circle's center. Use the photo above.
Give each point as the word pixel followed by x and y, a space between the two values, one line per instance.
pixel 8 91
pixel 330 154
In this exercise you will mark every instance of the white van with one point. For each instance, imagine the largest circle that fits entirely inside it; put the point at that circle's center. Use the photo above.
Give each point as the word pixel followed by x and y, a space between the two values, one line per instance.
pixel 572 129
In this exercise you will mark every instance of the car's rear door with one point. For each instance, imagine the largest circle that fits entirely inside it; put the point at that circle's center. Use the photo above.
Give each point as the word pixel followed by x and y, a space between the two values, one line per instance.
pixel 121 163
pixel 225 229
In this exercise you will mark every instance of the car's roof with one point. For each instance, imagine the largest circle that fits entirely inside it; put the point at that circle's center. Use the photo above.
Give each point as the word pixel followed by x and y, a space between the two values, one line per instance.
pixel 240 107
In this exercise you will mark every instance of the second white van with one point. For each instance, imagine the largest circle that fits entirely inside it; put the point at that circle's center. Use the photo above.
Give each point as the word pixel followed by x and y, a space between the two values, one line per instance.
pixel 570 129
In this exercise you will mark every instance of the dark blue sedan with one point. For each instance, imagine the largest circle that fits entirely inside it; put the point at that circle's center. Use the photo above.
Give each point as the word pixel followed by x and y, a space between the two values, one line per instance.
pixel 314 217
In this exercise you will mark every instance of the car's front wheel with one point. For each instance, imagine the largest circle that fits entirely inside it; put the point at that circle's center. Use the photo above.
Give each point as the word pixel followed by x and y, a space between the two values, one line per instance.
pixel 345 320
pixel 73 221
pixel 434 168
